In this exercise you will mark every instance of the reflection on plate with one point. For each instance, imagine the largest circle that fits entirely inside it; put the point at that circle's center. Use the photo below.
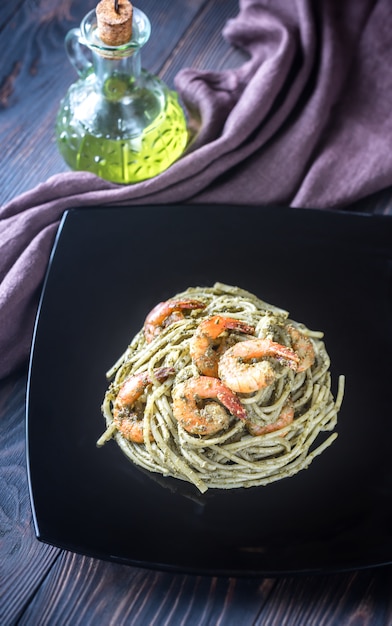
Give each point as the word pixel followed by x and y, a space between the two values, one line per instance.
pixel 109 267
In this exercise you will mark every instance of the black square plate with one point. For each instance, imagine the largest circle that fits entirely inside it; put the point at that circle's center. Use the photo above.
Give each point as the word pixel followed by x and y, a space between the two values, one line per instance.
pixel 109 267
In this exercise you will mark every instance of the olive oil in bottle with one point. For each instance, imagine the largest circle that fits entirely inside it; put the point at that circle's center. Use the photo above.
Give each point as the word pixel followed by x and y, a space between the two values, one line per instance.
pixel 118 121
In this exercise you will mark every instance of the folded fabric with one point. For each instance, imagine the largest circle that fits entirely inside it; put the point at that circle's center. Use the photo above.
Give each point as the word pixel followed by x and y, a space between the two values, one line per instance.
pixel 305 121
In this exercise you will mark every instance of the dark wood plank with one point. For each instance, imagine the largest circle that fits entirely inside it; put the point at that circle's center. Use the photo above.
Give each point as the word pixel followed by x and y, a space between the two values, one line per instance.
pixel 24 561
pixel 362 597
pixel 82 591
pixel 205 47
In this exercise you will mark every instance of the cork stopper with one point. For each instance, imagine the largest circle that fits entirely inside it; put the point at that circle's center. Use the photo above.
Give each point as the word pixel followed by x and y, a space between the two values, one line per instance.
pixel 114 19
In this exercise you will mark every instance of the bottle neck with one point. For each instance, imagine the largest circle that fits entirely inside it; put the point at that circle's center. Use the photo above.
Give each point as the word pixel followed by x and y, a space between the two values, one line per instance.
pixel 107 68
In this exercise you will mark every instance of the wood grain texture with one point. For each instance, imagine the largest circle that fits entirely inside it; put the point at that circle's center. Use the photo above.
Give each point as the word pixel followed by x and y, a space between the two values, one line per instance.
pixel 24 561
pixel 204 46
pixel 141 596
pixel 358 599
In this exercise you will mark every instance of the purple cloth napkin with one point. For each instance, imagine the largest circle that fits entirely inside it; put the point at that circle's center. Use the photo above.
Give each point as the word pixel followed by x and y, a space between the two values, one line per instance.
pixel 305 121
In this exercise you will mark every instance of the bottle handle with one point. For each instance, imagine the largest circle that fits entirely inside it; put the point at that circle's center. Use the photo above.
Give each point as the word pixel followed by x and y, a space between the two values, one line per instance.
pixel 76 51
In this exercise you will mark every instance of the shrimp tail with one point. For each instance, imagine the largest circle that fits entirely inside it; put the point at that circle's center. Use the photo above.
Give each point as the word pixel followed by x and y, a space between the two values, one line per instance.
pixel 285 354
pixel 243 327
pixel 232 403
pixel 162 373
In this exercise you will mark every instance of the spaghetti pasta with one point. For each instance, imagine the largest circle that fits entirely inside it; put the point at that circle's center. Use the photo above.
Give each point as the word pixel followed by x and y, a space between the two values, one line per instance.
pixel 235 432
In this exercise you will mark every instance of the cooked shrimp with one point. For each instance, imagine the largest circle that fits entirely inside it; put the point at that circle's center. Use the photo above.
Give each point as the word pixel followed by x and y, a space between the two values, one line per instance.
pixel 207 344
pixel 303 347
pixel 212 417
pixel 243 377
pixel 285 418
pixel 166 313
pixel 126 416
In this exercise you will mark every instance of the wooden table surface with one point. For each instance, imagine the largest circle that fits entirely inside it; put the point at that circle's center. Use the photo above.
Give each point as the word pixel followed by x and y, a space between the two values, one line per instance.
pixel 40 584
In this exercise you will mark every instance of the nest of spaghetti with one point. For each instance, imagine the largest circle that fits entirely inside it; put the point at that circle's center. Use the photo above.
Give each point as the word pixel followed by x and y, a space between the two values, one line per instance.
pixel 222 390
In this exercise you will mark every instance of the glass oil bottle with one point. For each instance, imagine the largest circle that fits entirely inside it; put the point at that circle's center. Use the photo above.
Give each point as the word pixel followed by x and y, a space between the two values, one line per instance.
pixel 118 120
